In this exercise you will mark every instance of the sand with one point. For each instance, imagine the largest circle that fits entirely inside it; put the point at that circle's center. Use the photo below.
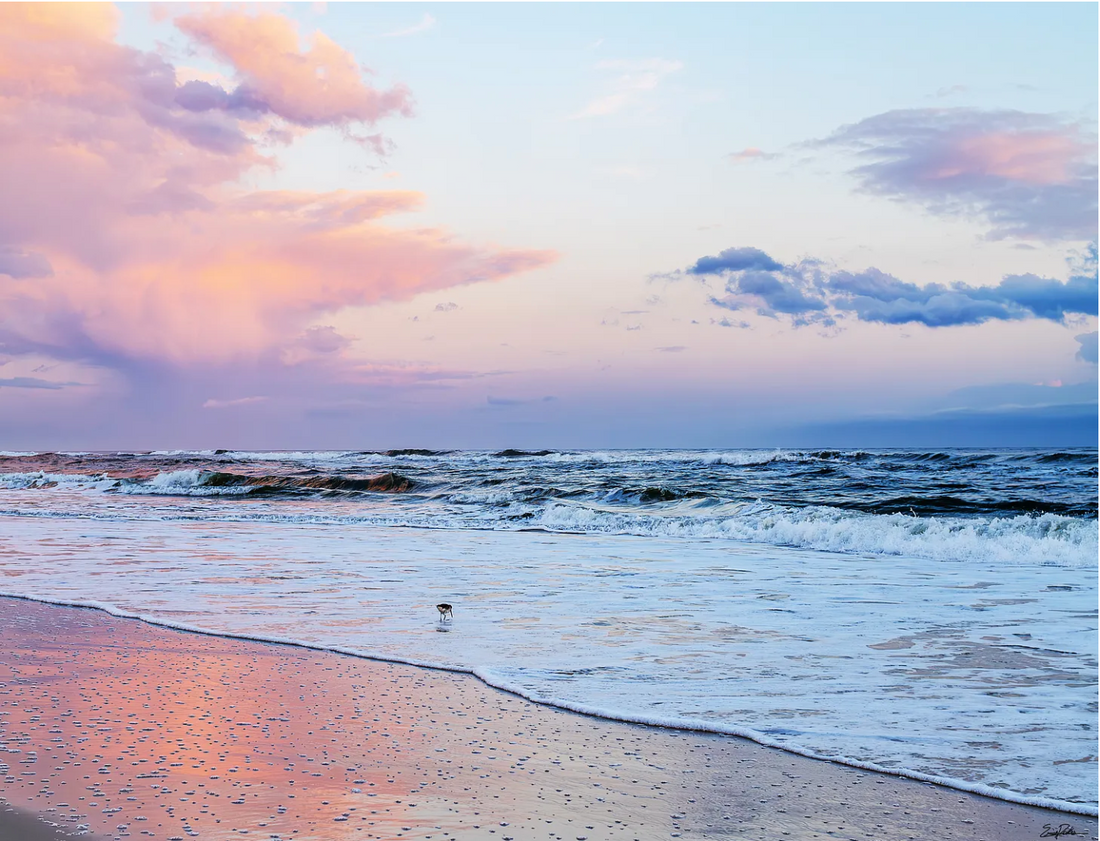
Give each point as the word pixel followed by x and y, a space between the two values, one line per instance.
pixel 126 730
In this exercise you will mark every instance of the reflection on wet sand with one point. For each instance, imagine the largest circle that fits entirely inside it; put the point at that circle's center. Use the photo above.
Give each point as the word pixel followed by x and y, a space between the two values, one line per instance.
pixel 132 731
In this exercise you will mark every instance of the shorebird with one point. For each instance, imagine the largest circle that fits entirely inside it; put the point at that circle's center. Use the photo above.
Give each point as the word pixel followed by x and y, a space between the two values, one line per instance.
pixel 444 611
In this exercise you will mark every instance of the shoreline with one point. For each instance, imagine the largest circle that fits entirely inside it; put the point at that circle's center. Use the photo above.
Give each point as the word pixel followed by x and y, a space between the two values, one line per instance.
pixel 516 760
pixel 687 726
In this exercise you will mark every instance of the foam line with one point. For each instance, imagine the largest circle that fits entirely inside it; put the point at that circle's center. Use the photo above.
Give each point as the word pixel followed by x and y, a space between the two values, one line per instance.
pixel 595 712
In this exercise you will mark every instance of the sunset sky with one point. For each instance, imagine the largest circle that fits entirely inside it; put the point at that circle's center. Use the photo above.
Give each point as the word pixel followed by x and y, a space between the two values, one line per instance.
pixel 562 225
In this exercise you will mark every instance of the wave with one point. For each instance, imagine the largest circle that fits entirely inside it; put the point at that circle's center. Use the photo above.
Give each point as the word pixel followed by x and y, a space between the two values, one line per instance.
pixel 40 479
pixel 292 456
pixel 410 452
pixel 383 483
pixel 456 459
pixel 1049 539
pixel 1079 458
pixel 952 505
pixel 195 482
pixel 602 457
pixel 495 681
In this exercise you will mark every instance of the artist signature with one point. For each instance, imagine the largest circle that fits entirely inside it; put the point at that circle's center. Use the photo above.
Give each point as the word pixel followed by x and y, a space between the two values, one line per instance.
pixel 1057 831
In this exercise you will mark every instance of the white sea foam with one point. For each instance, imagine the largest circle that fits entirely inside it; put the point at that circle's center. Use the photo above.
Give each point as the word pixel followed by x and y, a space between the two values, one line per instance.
pixel 41 480
pixel 1049 538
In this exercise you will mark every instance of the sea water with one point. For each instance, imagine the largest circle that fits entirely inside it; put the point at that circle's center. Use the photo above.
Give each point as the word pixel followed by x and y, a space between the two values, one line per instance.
pixel 926 613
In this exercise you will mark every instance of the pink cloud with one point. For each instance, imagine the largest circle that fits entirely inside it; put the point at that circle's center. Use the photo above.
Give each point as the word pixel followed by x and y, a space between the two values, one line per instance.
pixel 750 154
pixel 226 404
pixel 321 85
pixel 1030 176
pixel 1042 157
pixel 127 232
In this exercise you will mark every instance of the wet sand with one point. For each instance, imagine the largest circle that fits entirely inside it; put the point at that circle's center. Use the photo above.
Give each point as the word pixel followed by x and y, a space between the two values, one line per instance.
pixel 126 730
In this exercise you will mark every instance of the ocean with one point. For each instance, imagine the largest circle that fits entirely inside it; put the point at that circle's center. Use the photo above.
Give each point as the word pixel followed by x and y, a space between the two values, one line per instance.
pixel 926 613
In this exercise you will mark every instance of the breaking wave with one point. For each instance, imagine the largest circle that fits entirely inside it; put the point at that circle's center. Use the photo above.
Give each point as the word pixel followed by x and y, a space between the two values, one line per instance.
pixel 1048 539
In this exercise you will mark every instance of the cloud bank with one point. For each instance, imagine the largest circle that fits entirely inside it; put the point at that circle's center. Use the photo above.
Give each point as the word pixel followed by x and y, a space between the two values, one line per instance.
pixel 809 292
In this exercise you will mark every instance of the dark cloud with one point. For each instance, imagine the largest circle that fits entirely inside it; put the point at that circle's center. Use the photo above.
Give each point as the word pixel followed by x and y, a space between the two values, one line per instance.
pixel 1032 176
pixel 200 96
pixel 735 260
pixel 810 294
pixel 1047 298
pixel 875 284
pixel 779 294
pixel 1088 351
pixel 947 309
pixel 876 296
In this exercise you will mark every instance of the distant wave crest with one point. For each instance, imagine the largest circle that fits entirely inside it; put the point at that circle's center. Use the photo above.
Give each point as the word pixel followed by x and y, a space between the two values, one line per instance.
pixel 194 482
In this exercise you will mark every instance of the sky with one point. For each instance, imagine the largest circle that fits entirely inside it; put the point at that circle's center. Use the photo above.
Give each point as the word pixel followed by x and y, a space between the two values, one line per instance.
pixel 352 226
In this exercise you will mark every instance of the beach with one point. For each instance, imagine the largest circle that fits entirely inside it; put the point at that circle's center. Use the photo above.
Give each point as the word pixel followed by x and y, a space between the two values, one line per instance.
pixel 531 421
pixel 124 729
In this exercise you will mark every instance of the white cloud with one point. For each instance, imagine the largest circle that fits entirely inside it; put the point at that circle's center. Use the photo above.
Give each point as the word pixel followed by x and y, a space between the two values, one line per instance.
pixel 426 22
pixel 634 80
pixel 224 404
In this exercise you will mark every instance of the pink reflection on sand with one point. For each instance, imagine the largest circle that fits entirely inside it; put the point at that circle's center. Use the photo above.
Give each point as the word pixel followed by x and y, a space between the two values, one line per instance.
pixel 123 738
